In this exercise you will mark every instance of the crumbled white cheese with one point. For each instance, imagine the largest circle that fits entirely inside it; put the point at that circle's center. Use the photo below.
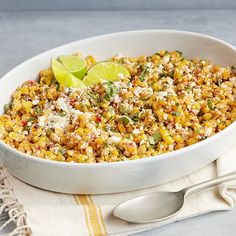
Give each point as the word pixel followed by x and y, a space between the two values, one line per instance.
pixel 35 102
pixel 41 121
pixel 160 68
pixel 166 58
pixel 114 140
pixel 162 94
pixel 165 116
pixel 119 84
pixel 195 111
pixel 53 121
pixel 208 131
pixel 149 65
pixel 233 81
pixel 137 90
pixel 144 91
pixel 62 104
pixel 135 131
pixel 178 126
pixel 25 132
pixel 170 91
pixel 169 80
pixel 116 98
pixel 120 75
pixel 67 90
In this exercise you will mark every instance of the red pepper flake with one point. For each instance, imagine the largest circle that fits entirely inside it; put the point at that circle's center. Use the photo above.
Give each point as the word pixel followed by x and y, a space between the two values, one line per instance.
pixel 38 147
pixel 134 81
pixel 23 123
pixel 98 118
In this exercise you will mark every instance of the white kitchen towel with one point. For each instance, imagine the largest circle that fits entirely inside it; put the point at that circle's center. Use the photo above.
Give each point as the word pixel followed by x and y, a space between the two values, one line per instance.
pixel 40 212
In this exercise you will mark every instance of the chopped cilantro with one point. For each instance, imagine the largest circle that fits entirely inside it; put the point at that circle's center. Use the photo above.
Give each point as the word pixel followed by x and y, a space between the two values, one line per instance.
pixel 38 110
pixel 162 75
pixel 171 74
pixel 62 114
pixel 58 86
pixel 92 95
pixel 232 67
pixel 209 104
pixel 187 87
pixel 143 74
pixel 125 120
pixel 111 89
pixel 176 113
pixel 62 151
pixel 48 131
pixel 155 138
pixel 31 119
pixel 135 118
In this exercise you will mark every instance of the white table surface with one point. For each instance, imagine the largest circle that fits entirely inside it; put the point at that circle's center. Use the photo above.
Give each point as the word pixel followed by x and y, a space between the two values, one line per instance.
pixel 25 34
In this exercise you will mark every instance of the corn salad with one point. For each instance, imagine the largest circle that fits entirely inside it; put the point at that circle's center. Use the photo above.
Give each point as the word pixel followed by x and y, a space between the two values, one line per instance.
pixel 169 102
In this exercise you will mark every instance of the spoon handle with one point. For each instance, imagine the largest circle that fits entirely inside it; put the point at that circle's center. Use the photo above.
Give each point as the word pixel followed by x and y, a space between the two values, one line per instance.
pixel 208 184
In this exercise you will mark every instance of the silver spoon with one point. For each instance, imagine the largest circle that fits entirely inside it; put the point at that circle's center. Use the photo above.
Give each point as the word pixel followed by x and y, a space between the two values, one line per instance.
pixel 162 205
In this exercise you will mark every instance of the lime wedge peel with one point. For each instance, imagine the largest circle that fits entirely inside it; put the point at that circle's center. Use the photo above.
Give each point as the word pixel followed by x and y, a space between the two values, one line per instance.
pixel 63 76
pixel 105 71
pixel 76 65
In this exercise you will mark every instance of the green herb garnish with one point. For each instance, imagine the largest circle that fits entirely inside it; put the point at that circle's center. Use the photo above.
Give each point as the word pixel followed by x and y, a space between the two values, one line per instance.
pixel 162 75
pixel 62 114
pixel 176 113
pixel 155 138
pixel 209 104
pixel 187 87
pixel 125 120
pixel 232 67
pixel 111 89
pixel 143 74
pixel 93 96
pixel 62 151
pixel 58 86
pixel 135 119
pixel 38 110
pixel 171 74
pixel 31 119
pixel 48 131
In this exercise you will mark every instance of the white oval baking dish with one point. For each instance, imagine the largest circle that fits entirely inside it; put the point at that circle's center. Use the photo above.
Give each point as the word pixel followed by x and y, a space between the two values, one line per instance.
pixel 127 175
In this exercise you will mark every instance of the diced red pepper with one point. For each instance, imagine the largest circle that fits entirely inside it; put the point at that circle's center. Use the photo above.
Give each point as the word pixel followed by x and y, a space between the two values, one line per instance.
pixel 98 118
pixel 38 147
pixel 23 123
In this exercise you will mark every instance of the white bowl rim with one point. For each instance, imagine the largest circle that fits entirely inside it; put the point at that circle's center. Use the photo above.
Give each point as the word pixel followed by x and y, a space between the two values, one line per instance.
pixel 171 154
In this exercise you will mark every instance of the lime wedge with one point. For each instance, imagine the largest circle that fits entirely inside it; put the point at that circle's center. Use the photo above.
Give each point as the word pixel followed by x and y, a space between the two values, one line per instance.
pixel 64 77
pixel 75 65
pixel 110 71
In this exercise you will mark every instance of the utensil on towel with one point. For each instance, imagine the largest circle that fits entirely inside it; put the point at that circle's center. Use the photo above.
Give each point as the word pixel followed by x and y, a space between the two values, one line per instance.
pixel 162 205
